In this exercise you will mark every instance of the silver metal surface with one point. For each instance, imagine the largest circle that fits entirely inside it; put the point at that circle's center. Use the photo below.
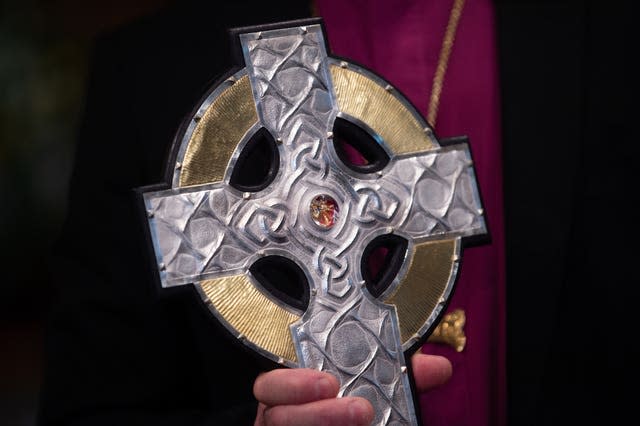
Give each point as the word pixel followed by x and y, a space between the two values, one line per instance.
pixel 214 230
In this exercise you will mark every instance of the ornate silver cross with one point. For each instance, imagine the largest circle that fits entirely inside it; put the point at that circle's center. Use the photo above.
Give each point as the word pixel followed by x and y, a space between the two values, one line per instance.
pixel 321 214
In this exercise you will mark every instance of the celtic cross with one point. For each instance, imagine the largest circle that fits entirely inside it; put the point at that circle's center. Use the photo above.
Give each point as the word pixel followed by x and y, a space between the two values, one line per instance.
pixel 320 214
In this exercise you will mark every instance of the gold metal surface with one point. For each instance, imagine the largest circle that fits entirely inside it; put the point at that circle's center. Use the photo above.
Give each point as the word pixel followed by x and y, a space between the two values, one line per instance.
pixel 450 330
pixel 253 314
pixel 423 286
pixel 362 98
pixel 217 135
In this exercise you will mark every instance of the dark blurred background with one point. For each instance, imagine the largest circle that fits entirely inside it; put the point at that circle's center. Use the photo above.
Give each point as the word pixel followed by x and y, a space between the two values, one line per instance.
pixel 44 47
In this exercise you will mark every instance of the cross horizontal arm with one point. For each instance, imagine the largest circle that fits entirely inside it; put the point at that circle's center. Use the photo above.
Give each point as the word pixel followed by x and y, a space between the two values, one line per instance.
pixel 438 194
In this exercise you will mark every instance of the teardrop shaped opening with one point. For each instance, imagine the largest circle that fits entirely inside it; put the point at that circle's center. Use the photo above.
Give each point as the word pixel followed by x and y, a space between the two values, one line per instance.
pixel 356 148
pixel 283 279
pixel 381 261
pixel 258 163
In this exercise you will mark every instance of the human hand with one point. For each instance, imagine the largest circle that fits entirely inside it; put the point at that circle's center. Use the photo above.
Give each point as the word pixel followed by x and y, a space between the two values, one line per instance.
pixel 301 396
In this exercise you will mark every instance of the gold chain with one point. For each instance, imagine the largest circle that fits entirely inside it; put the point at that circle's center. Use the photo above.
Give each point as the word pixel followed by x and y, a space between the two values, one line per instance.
pixel 443 61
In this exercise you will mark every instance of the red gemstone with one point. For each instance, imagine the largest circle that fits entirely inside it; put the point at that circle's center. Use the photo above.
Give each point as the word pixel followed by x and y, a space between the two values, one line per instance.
pixel 324 211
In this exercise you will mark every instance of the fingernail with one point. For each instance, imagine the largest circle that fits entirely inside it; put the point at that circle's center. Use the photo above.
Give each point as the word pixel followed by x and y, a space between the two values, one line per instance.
pixel 323 388
pixel 360 412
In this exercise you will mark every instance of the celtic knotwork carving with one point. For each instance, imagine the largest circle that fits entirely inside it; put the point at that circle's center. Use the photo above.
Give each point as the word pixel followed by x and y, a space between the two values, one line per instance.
pixel 264 222
pixel 377 204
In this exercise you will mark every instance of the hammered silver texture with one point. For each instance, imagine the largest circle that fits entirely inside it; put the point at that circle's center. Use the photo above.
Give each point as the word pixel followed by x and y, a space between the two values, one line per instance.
pixel 214 230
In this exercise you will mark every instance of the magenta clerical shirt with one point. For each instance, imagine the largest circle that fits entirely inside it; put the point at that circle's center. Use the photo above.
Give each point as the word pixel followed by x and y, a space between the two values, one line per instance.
pixel 401 41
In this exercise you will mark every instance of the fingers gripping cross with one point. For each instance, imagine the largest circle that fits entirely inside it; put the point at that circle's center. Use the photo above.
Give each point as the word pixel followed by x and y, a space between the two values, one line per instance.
pixel 320 214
